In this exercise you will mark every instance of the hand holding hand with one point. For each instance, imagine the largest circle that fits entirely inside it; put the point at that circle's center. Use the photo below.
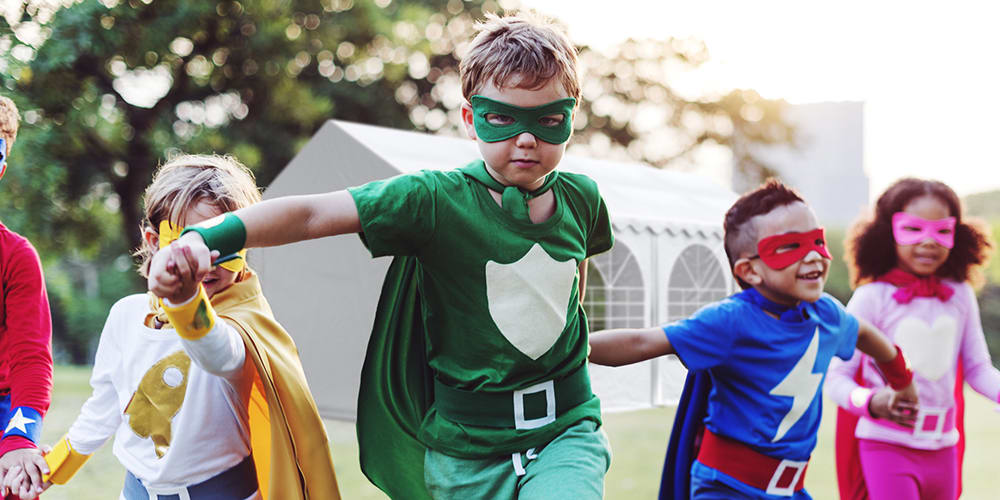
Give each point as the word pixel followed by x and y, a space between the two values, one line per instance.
pixel 900 407
pixel 22 473
pixel 176 271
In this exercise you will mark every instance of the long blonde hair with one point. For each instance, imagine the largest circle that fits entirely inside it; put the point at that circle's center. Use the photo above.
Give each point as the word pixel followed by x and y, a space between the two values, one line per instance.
pixel 186 180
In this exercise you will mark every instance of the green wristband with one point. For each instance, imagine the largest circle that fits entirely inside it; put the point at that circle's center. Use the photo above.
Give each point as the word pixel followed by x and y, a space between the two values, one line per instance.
pixel 225 233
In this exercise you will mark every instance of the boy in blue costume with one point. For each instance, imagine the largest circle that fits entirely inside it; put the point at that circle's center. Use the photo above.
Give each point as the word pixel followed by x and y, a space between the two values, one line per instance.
pixel 475 384
pixel 758 358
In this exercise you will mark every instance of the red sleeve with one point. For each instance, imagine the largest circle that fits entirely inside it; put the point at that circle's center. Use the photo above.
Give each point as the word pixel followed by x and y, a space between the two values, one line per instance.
pixel 26 335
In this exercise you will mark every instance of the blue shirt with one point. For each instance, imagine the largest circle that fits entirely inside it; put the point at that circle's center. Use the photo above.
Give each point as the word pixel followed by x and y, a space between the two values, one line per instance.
pixel 767 375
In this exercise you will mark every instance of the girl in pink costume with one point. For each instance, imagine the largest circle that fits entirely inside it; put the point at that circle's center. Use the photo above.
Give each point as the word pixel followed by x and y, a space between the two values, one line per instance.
pixel 914 262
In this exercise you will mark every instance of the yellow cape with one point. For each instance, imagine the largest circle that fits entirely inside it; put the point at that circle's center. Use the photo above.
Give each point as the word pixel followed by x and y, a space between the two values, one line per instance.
pixel 287 435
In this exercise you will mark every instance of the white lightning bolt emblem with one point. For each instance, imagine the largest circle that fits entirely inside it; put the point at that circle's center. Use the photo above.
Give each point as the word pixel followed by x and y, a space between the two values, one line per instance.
pixel 801 384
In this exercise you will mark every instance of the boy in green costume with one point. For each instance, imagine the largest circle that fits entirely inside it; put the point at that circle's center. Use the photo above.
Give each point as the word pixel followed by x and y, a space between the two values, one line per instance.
pixel 475 384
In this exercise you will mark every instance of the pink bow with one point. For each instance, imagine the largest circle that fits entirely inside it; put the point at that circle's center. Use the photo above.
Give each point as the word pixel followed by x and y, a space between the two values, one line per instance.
pixel 910 286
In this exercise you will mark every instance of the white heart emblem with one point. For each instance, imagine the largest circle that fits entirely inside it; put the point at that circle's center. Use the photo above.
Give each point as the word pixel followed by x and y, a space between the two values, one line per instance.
pixel 930 349
pixel 528 299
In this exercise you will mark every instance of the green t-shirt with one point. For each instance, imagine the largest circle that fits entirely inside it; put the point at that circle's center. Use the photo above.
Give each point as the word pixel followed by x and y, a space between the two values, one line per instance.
pixel 500 296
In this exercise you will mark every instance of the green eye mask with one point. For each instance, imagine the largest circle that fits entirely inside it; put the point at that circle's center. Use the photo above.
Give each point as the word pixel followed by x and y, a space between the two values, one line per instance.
pixel 511 120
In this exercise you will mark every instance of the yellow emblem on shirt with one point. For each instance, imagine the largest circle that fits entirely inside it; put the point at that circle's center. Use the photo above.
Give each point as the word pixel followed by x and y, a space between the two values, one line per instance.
pixel 158 398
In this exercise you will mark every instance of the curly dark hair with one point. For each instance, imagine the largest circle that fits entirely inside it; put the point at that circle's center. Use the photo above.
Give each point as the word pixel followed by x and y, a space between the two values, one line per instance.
pixel 740 236
pixel 871 247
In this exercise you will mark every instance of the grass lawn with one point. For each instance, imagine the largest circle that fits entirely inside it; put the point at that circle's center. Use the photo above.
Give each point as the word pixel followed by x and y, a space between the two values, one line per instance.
pixel 637 438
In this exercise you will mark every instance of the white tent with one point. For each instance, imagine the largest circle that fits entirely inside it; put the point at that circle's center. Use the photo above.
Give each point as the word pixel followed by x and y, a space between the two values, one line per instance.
pixel 667 261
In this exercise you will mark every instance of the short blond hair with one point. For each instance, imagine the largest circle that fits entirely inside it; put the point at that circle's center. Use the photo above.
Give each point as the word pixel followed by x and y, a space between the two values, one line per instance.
pixel 10 121
pixel 186 180
pixel 525 46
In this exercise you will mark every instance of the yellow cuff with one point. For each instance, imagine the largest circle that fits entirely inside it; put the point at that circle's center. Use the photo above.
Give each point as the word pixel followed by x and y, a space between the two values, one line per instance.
pixel 192 320
pixel 63 462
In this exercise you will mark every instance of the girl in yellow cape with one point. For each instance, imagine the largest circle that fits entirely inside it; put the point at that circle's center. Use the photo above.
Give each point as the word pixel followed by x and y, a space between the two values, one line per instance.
pixel 200 408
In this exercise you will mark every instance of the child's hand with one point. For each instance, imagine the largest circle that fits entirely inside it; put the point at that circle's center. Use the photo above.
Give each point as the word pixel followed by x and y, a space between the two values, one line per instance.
pixel 185 266
pixel 24 469
pixel 176 271
pixel 900 407
pixel 13 482
pixel 907 399
pixel 18 485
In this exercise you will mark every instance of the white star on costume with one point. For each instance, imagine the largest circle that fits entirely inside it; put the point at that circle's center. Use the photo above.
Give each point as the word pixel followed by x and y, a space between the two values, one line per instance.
pixel 801 384
pixel 19 421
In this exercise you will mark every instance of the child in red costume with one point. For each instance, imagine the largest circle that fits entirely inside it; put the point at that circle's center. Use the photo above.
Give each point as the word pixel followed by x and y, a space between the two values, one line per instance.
pixel 25 340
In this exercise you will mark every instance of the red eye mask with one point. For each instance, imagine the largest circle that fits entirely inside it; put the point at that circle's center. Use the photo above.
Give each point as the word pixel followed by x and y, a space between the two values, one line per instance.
pixel 782 250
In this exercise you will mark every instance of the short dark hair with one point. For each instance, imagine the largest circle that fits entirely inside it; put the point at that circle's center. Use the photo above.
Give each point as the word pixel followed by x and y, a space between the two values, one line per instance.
pixel 741 235
pixel 871 247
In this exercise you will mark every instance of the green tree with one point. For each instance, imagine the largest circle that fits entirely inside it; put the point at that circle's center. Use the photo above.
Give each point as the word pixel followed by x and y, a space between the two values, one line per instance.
pixel 110 88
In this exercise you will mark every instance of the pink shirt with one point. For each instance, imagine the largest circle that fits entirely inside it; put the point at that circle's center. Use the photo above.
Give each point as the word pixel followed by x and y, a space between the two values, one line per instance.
pixel 934 336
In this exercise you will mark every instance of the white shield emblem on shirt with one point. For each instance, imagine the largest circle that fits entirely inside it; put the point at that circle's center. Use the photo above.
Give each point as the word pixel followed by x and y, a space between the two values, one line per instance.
pixel 528 299
pixel 929 348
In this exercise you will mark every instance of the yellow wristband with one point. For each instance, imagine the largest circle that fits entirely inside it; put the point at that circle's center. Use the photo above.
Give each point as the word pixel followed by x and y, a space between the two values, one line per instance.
pixel 192 320
pixel 63 462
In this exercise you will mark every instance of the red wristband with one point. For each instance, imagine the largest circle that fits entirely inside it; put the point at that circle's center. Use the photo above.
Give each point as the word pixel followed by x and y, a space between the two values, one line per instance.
pixel 897 372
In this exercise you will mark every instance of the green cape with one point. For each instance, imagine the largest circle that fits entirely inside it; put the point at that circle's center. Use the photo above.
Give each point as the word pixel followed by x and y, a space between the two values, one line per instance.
pixel 396 388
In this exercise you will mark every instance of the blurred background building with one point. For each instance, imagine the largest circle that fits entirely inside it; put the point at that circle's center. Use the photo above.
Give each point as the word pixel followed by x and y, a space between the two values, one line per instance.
pixel 826 163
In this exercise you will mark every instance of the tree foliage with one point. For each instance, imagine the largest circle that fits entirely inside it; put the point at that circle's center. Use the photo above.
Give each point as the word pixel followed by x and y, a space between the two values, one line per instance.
pixel 108 89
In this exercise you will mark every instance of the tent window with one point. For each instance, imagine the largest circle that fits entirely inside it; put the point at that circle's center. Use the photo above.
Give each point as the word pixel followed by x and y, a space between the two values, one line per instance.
pixel 697 279
pixel 615 295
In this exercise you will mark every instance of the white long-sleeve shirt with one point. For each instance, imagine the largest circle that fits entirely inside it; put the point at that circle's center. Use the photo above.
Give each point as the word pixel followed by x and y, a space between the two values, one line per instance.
pixel 156 392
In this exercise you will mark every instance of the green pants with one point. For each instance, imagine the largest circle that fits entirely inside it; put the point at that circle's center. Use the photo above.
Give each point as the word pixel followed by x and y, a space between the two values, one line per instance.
pixel 571 466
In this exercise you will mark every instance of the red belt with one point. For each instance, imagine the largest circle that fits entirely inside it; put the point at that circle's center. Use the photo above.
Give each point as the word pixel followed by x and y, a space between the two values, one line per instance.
pixel 735 459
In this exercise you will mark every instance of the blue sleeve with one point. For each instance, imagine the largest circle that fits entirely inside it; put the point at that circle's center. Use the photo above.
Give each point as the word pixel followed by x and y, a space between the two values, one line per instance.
pixel 842 322
pixel 397 214
pixel 705 339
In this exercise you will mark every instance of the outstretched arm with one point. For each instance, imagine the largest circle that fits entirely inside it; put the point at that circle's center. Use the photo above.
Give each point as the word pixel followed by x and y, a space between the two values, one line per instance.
pixel 626 346
pixel 211 343
pixel 874 343
pixel 268 223
pixel 977 366
pixel 296 218
pixel 901 405
pixel 100 415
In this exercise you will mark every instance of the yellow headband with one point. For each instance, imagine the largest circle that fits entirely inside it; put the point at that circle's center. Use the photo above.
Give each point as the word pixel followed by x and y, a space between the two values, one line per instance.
pixel 170 232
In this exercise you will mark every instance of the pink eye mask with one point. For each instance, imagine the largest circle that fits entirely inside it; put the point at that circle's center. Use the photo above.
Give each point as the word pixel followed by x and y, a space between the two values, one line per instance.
pixel 908 229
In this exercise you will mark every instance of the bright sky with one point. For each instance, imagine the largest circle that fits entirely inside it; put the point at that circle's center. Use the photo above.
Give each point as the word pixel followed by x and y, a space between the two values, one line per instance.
pixel 928 72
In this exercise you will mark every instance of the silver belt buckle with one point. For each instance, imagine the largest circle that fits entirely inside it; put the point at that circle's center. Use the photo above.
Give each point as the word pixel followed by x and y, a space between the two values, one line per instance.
pixel 549 388
pixel 918 428
pixel 154 493
pixel 772 487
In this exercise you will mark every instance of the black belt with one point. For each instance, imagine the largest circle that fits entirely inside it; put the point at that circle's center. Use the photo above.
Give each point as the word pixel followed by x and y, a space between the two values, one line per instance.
pixel 236 483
